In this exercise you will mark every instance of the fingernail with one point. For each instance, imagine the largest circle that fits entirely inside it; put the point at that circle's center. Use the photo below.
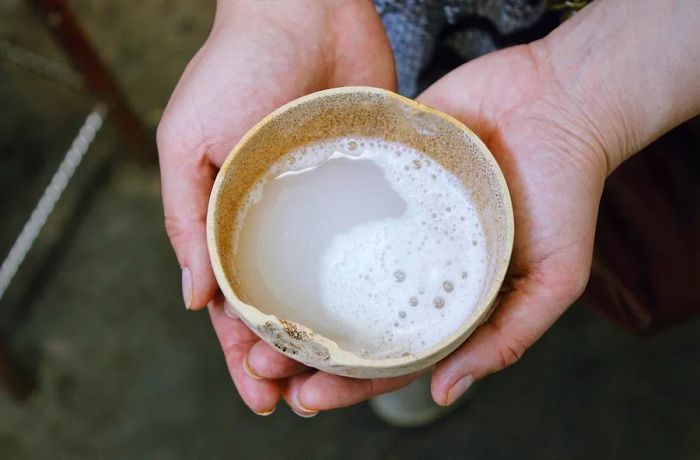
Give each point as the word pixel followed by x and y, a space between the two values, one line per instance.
pixel 264 413
pixel 187 287
pixel 248 370
pixel 459 388
pixel 302 411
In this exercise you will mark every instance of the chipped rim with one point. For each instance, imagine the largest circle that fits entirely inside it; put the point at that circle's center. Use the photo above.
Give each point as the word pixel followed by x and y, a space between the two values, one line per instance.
pixel 340 361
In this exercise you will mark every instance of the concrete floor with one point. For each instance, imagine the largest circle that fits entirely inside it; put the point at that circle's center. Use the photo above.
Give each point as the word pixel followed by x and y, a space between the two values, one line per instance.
pixel 123 371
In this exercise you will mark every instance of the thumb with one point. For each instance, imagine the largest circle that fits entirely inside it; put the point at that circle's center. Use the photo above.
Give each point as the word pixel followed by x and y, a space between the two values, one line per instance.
pixel 187 177
pixel 523 315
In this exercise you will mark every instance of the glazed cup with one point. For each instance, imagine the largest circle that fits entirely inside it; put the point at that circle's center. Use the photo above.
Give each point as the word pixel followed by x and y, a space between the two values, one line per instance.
pixel 357 112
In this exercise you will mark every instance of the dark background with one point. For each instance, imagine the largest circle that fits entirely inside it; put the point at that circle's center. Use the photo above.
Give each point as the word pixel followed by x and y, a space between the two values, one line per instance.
pixel 120 369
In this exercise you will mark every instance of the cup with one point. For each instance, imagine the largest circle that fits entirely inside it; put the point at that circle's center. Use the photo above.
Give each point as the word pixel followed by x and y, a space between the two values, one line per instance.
pixel 358 112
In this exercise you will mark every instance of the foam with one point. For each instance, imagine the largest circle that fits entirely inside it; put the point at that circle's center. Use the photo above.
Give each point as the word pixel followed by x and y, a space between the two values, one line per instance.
pixel 387 260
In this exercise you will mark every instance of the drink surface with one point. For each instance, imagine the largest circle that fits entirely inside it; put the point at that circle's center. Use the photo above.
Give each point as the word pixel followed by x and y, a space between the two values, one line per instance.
pixel 370 243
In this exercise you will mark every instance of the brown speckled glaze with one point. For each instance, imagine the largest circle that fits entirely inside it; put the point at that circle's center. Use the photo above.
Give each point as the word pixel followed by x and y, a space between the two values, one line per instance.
pixel 347 112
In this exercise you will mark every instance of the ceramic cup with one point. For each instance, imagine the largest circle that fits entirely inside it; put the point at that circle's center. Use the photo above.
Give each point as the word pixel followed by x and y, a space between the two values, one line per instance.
pixel 354 112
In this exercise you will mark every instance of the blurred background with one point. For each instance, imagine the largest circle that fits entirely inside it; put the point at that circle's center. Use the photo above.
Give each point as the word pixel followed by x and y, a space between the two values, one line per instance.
pixel 99 358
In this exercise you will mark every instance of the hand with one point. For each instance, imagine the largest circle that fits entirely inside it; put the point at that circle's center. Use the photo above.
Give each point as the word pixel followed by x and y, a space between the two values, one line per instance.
pixel 559 115
pixel 554 141
pixel 555 171
pixel 555 168
pixel 258 56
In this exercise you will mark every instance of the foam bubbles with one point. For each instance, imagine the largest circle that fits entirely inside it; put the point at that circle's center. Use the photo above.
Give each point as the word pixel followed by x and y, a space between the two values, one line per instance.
pixel 370 270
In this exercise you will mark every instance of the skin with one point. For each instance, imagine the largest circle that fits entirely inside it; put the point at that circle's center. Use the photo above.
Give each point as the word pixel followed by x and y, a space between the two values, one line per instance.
pixel 558 114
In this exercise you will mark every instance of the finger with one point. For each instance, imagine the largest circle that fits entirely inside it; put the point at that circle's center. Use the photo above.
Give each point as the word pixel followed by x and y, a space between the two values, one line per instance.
pixel 260 395
pixel 322 391
pixel 187 176
pixel 523 315
pixel 263 361
pixel 291 394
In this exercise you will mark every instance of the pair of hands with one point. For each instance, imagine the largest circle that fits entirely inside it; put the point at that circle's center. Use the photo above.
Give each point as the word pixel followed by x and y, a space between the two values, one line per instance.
pixel 261 55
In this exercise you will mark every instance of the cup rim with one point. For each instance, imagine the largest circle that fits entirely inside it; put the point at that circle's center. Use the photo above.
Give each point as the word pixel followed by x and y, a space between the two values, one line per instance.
pixel 344 357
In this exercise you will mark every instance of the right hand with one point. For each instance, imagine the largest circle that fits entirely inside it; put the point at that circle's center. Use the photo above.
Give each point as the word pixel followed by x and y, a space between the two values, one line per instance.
pixel 258 56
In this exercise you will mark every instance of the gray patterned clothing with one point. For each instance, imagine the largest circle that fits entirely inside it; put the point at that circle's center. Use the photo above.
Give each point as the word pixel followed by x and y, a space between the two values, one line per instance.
pixel 418 28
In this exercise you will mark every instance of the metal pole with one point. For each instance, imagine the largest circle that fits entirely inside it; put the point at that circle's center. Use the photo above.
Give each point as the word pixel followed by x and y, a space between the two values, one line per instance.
pixel 75 43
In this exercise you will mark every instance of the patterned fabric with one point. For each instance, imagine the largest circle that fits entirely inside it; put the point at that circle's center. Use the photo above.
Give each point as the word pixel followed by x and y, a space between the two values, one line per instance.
pixel 468 28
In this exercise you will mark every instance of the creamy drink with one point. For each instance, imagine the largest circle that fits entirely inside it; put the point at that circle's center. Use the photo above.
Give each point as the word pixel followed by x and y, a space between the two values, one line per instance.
pixel 370 243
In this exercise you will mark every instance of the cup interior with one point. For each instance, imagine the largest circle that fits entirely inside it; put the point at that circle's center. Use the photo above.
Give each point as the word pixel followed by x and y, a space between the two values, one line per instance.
pixel 363 112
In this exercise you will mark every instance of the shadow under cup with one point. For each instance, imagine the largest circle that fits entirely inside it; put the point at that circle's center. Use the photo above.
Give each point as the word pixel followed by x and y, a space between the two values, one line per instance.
pixel 357 112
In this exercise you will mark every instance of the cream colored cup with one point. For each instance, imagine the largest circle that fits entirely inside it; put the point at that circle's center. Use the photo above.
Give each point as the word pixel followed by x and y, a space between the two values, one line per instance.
pixel 347 112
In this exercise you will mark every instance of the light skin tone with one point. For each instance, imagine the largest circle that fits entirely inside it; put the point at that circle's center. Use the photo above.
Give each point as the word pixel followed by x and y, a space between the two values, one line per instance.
pixel 559 115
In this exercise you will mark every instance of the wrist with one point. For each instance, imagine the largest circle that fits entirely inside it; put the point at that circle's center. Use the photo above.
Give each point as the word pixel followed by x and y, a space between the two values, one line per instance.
pixel 626 71
pixel 568 119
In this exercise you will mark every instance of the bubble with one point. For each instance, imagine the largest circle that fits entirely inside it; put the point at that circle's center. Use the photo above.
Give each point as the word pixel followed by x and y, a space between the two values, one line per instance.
pixel 475 243
pixel 406 168
pixel 464 275
pixel 416 164
pixel 399 276
pixel 356 293
pixel 448 286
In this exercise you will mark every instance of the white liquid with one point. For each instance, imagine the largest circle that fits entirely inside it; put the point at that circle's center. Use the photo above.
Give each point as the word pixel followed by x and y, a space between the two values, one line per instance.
pixel 371 244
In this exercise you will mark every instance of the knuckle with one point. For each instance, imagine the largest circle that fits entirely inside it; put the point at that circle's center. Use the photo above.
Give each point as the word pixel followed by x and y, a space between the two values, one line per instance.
pixel 510 349
pixel 165 133
pixel 563 285
pixel 176 230
pixel 509 353
pixel 570 287
pixel 370 389
pixel 173 139
pixel 578 285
